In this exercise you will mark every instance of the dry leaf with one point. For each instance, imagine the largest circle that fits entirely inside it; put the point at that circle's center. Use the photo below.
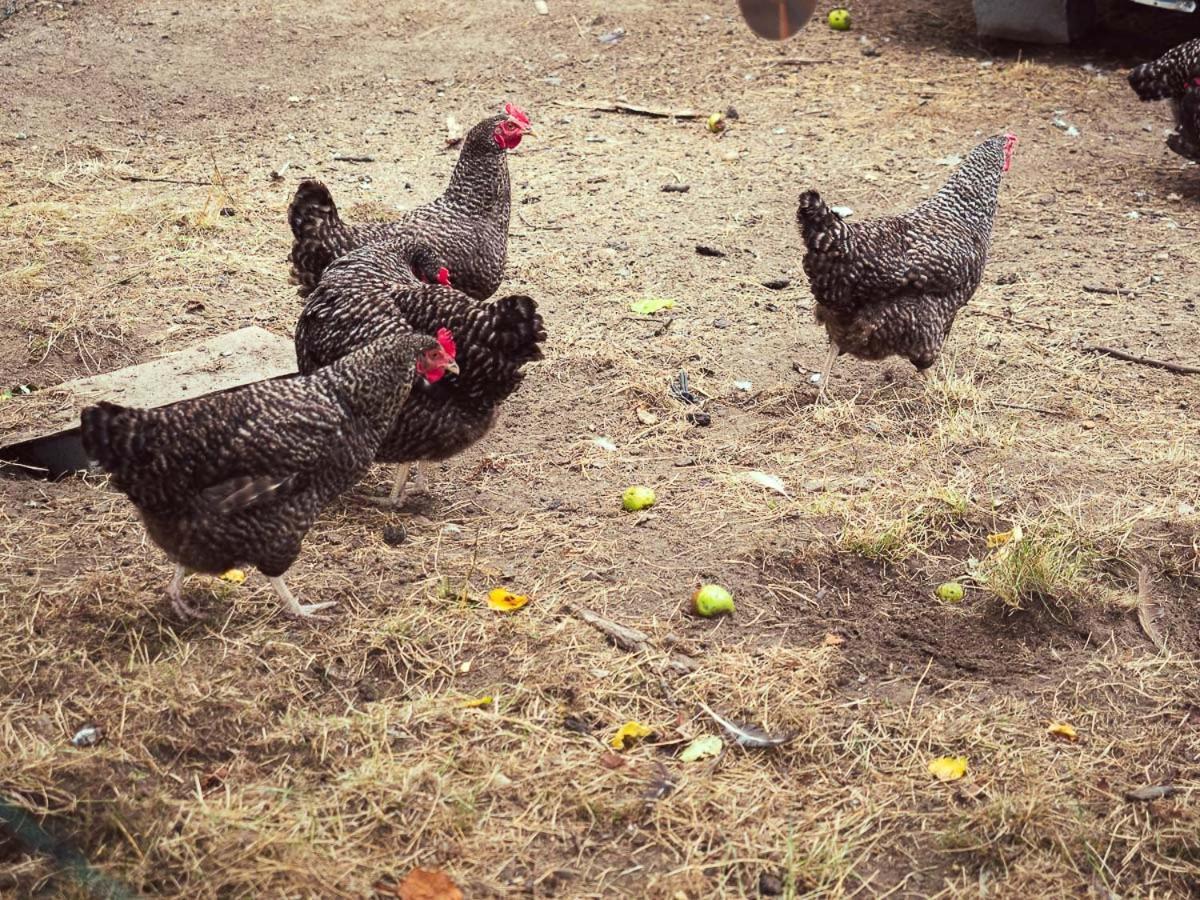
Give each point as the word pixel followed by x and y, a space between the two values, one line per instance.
pixel 1063 730
pixel 1005 537
pixel 454 132
pixel 833 640
pixel 702 748
pixel 628 733
pixel 234 576
pixel 651 305
pixel 948 768
pixel 503 600
pixel 646 417
pixel 610 760
pixel 477 702
pixel 428 884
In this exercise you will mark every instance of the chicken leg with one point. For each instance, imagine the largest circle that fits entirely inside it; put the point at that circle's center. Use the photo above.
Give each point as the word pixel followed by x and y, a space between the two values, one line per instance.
pixel 826 370
pixel 175 591
pixel 292 606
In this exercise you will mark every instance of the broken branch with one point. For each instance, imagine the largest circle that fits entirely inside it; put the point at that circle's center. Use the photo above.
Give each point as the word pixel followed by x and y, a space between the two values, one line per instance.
pixel 1177 368
pixel 656 112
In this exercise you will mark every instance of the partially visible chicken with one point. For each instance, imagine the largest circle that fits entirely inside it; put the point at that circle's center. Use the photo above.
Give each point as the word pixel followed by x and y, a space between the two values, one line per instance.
pixel 893 286
pixel 1175 76
pixel 1186 139
pixel 238 478
pixel 465 229
pixel 372 292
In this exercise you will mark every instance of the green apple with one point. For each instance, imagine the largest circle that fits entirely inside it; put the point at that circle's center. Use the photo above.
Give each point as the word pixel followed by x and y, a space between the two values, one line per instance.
pixel 637 497
pixel 712 600
pixel 839 19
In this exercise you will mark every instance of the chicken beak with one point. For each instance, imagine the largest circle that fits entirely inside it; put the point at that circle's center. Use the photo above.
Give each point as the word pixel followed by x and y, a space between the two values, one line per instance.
pixel 528 132
pixel 451 368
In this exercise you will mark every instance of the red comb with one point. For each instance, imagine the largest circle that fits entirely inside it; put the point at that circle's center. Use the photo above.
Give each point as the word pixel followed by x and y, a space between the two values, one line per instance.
pixel 446 339
pixel 517 113
pixel 443 277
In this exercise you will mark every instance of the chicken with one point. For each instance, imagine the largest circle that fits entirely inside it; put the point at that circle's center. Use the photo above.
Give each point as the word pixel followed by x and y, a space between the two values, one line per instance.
pixel 466 228
pixel 1175 76
pixel 372 292
pixel 238 478
pixel 893 286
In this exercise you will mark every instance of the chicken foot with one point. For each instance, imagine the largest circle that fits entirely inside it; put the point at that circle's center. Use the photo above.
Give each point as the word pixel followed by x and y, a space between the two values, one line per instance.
pixel 826 370
pixel 175 591
pixel 420 484
pixel 292 606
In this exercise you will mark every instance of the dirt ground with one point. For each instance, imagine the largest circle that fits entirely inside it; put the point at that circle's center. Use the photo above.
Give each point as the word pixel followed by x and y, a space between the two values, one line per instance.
pixel 250 756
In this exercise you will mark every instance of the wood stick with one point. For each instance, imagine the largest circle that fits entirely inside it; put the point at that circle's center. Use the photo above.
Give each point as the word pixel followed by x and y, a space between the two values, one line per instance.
pixel 795 61
pixel 656 112
pixel 1104 289
pixel 165 180
pixel 342 157
pixel 624 637
pixel 1177 368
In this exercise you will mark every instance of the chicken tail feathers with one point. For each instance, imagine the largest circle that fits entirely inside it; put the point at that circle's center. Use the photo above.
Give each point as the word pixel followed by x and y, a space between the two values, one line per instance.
pixel 120 439
pixel 1152 81
pixel 821 227
pixel 319 235
pixel 516 328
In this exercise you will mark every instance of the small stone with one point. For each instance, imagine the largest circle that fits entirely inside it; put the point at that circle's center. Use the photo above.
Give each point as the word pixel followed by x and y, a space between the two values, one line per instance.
pixel 21 136
pixel 777 284
pixel 394 535
pixel 684 461
pixel 88 736
pixel 700 419
pixel 814 485
pixel 769 885
pixel 720 323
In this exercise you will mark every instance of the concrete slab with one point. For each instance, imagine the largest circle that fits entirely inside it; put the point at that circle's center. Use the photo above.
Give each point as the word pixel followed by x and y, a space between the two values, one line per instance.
pixel 48 439
pixel 1036 21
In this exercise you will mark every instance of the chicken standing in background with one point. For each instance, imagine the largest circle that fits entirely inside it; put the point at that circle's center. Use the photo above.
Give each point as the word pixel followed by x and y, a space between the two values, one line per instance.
pixel 238 478
pixel 1175 76
pixel 893 286
pixel 466 228
pixel 373 292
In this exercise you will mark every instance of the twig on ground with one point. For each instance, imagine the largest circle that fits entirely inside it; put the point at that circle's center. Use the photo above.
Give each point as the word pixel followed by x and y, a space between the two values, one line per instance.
pixel 1104 289
pixel 1177 368
pixel 166 180
pixel 794 61
pixel 656 112
pixel 630 639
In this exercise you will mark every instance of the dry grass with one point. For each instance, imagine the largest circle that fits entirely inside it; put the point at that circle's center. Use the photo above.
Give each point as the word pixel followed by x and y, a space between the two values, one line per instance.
pixel 248 755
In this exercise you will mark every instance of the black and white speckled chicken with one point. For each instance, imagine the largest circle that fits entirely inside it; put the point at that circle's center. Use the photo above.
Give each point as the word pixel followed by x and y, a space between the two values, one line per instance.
pixel 1175 76
pixel 238 478
pixel 893 286
pixel 372 292
pixel 466 228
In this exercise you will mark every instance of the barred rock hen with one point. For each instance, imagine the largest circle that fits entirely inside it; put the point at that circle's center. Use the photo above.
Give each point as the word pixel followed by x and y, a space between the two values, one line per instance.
pixel 466 228
pixel 1175 76
pixel 893 286
pixel 372 292
pixel 238 478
